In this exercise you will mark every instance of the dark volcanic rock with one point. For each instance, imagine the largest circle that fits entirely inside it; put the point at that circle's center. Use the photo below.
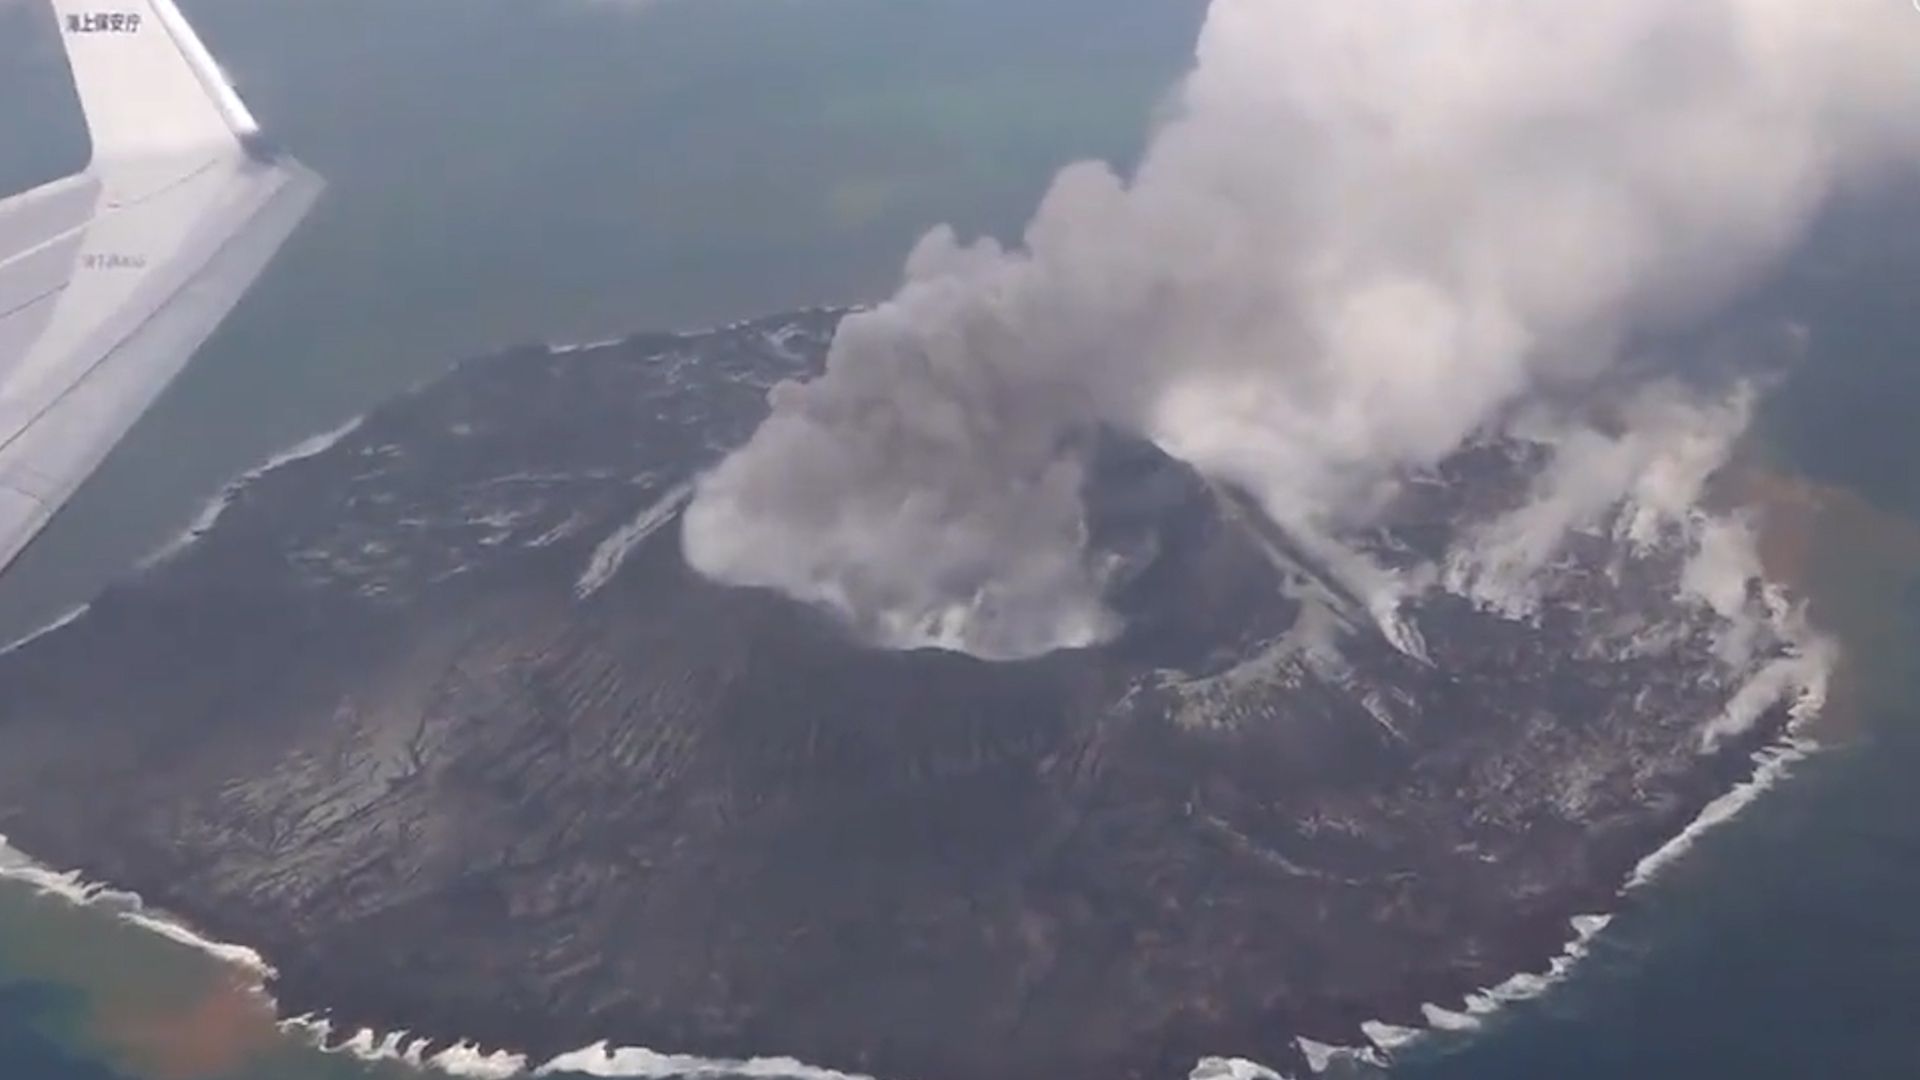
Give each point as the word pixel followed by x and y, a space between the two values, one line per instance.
pixel 439 720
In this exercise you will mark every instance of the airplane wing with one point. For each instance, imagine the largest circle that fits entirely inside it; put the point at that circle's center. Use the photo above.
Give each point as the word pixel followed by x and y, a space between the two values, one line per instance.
pixel 112 278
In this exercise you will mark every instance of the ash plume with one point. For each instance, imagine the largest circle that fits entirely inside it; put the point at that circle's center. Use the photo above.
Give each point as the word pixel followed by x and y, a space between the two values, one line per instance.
pixel 1368 231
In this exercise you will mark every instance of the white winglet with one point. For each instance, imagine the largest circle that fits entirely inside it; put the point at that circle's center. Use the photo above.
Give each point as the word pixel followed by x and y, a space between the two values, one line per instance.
pixel 182 101
pixel 110 280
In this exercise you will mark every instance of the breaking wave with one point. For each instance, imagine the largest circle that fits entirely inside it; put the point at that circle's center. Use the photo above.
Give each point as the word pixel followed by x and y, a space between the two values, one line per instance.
pixel 463 1059
pixel 1216 1068
pixel 127 907
pixel 210 512
pixel 466 1059
pixel 1772 765
pixel 60 622
pixel 602 1060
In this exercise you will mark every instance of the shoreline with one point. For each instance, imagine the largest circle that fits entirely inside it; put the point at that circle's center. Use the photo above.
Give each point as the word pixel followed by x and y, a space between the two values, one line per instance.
pixel 466 1058
pixel 1540 952
pixel 1773 764
pixel 469 1058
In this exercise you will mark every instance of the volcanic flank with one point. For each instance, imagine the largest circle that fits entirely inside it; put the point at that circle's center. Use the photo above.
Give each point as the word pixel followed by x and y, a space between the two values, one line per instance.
pixel 439 719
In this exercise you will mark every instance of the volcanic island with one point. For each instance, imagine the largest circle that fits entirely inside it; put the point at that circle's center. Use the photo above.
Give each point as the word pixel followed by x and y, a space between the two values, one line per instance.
pixel 439 720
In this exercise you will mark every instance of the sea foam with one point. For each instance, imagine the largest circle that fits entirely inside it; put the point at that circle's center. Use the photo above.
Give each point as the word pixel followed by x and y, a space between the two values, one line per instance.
pixel 602 1060
pixel 1218 1068
pixel 466 1059
pixel 212 509
pixel 127 907
pixel 71 616
pixel 1771 766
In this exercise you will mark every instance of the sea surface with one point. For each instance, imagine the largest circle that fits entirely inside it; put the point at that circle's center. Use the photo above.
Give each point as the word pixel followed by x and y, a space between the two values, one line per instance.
pixel 505 171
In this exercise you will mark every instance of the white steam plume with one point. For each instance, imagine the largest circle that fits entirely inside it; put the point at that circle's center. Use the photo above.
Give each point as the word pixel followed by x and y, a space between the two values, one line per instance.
pixel 1371 228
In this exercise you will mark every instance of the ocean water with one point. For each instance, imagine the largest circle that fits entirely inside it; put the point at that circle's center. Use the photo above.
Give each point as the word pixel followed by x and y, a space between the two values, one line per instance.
pixel 512 170
pixel 1786 944
pixel 504 171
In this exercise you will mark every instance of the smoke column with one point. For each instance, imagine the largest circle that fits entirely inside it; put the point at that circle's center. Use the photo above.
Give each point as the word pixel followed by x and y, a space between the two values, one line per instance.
pixel 1369 230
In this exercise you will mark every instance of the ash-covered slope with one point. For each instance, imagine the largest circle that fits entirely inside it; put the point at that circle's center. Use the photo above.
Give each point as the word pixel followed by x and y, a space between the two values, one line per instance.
pixel 440 721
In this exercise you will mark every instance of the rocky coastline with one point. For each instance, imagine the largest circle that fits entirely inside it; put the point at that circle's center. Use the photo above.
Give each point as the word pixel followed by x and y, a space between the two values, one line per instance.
pixel 438 720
